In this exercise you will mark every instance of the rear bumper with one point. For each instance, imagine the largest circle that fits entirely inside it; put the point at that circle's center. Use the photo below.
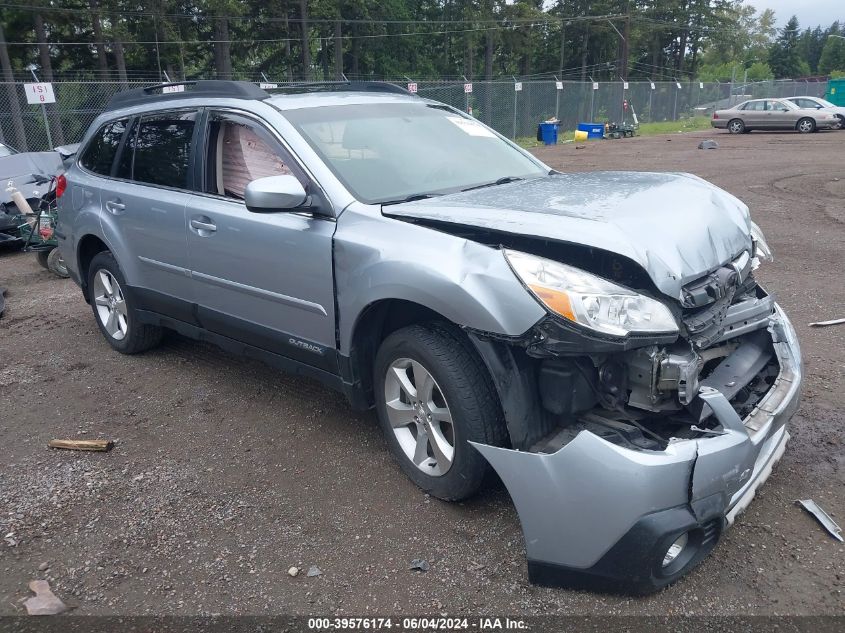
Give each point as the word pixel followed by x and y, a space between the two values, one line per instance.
pixel 595 513
pixel 719 123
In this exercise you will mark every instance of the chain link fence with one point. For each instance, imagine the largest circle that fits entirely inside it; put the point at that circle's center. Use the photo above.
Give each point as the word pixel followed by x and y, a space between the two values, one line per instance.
pixel 513 108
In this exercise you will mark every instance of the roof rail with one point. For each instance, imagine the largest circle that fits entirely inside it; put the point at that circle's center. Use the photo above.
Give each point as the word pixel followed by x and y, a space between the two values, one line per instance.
pixel 190 89
pixel 357 86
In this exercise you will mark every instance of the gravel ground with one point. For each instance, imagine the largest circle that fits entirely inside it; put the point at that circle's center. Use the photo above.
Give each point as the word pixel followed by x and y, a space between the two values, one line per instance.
pixel 226 473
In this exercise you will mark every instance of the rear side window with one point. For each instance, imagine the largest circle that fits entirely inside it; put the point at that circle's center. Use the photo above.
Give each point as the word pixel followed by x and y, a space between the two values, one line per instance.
pixel 162 149
pixel 99 155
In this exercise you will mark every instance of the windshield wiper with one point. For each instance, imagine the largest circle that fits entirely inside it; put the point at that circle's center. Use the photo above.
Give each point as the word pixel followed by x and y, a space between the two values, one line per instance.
pixel 412 198
pixel 501 181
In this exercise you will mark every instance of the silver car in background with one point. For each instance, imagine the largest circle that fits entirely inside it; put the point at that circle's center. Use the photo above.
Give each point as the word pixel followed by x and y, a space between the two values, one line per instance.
pixel 772 114
pixel 817 103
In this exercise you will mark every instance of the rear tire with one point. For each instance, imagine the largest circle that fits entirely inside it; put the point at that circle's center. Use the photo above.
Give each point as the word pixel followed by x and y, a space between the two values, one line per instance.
pixel 805 125
pixel 433 453
pixel 736 126
pixel 114 308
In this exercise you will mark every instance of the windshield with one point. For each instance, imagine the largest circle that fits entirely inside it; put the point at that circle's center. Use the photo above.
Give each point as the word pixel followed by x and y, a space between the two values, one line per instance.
pixel 394 151
pixel 5 150
pixel 824 103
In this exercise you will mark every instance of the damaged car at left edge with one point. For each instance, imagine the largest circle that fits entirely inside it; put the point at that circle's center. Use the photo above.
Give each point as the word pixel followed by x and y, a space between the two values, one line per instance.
pixel 599 339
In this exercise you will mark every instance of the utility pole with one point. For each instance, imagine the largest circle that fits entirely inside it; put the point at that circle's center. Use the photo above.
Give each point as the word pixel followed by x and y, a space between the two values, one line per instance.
pixel 625 37
pixel 562 45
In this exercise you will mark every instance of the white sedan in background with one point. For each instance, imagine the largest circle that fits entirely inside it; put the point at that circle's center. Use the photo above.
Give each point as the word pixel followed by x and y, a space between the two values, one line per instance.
pixel 818 103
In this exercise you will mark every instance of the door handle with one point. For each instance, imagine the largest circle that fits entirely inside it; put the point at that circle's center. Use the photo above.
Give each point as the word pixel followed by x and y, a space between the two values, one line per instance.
pixel 115 206
pixel 203 226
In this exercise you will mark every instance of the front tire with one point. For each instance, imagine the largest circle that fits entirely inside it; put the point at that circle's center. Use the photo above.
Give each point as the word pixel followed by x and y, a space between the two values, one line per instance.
pixel 840 123
pixel 114 309
pixel 736 126
pixel 434 395
pixel 806 125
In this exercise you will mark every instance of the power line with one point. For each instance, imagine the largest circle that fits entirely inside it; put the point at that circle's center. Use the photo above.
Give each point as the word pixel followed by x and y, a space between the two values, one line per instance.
pixel 272 40
pixel 546 18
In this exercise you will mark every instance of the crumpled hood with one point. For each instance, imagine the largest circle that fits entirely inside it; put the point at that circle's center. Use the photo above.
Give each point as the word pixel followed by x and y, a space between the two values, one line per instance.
pixel 677 226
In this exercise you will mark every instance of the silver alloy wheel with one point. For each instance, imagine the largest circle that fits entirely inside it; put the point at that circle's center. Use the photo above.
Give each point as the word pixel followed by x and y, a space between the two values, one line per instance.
pixel 840 122
pixel 419 416
pixel 805 125
pixel 736 126
pixel 110 304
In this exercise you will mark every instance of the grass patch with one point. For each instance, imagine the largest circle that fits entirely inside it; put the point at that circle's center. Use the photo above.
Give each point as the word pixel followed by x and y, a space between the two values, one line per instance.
pixel 692 124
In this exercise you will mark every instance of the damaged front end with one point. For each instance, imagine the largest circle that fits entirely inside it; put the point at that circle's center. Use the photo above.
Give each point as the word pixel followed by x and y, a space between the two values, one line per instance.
pixel 631 455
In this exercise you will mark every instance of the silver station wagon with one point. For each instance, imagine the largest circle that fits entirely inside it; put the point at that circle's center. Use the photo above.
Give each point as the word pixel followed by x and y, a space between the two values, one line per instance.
pixel 598 339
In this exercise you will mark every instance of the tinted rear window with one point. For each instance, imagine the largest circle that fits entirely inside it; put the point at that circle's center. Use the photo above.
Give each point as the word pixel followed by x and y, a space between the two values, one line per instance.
pixel 162 149
pixel 100 153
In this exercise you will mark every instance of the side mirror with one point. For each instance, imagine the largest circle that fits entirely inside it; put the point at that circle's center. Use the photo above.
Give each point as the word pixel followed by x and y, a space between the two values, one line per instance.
pixel 274 193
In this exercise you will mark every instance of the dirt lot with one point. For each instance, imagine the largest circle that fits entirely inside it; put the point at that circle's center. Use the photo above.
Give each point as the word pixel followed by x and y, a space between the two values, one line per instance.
pixel 226 473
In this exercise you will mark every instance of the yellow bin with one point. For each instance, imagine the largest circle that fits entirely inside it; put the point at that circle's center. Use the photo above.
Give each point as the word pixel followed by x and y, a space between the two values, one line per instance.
pixel 580 135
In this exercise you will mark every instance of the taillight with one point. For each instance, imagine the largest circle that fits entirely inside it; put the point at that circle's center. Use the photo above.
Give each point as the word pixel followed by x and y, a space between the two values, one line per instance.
pixel 61 185
pixel 715 116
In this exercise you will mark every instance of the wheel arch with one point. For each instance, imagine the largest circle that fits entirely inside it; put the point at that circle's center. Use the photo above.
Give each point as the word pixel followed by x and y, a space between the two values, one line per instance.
pixel 376 322
pixel 88 248
pixel 512 373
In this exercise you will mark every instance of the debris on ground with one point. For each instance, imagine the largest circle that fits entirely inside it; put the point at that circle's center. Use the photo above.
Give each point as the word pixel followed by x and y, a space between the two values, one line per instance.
pixel 44 566
pixel 825 323
pixel 708 144
pixel 420 564
pixel 2 300
pixel 45 601
pixel 823 517
pixel 314 571
pixel 82 445
pixel 293 571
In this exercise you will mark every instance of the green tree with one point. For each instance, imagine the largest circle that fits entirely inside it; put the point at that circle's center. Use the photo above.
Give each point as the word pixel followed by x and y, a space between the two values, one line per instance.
pixel 833 55
pixel 784 56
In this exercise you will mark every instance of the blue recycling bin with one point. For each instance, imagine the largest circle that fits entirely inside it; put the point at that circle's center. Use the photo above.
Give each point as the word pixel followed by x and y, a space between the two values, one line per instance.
pixel 548 133
pixel 593 130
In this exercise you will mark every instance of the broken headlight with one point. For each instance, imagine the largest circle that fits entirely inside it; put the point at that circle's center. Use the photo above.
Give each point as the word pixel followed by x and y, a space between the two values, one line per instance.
pixel 589 300
pixel 761 246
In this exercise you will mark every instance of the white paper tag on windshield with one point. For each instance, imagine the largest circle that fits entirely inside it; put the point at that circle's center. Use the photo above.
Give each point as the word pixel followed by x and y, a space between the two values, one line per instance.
pixel 473 128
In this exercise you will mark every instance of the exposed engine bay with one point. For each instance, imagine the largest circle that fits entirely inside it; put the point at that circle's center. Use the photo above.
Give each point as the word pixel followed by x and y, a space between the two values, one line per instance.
pixel 643 393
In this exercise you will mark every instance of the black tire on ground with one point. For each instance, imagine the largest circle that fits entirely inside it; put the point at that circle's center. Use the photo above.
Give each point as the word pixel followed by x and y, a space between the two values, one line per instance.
pixel 42 256
pixel 469 394
pixel 736 126
pixel 840 123
pixel 139 336
pixel 56 264
pixel 805 125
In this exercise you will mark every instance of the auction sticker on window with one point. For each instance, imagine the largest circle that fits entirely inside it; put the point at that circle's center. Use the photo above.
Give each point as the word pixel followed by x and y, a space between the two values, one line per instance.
pixel 473 128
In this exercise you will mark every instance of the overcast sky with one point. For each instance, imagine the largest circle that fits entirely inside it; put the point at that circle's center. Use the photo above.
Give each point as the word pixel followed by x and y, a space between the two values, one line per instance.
pixel 810 12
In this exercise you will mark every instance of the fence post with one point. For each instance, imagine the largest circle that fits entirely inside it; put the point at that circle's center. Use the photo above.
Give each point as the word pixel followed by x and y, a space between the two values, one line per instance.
pixel 44 115
pixel 514 107
pixel 557 98
pixel 675 107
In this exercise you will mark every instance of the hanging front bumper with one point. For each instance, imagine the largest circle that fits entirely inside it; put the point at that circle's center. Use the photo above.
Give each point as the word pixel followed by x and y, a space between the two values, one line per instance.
pixel 597 514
